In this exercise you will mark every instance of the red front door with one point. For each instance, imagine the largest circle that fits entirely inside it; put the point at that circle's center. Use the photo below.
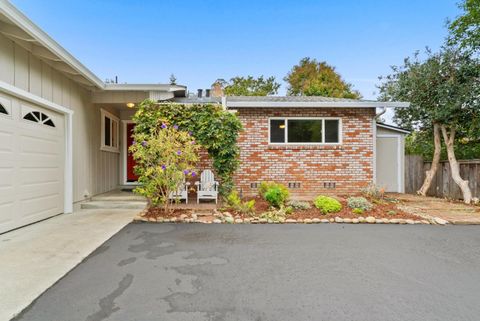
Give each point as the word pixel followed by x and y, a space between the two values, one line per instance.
pixel 131 177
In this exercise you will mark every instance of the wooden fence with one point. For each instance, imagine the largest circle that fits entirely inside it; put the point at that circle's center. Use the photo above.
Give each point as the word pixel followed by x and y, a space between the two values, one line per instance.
pixel 442 184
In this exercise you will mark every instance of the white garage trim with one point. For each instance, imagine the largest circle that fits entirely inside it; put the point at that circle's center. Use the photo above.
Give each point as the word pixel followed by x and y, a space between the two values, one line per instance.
pixel 68 171
pixel 399 159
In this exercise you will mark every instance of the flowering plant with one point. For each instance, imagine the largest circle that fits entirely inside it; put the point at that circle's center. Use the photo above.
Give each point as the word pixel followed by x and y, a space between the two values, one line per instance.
pixel 164 156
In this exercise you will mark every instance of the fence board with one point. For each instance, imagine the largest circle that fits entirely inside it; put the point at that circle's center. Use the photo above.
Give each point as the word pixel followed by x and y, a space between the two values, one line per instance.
pixel 442 184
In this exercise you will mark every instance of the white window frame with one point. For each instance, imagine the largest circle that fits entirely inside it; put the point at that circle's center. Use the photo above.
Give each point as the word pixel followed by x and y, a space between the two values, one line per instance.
pixel 340 131
pixel 113 118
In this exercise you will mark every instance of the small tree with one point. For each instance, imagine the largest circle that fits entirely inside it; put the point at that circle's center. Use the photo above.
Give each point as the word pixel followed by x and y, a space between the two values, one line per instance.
pixel 444 92
pixel 250 86
pixel 164 157
pixel 313 78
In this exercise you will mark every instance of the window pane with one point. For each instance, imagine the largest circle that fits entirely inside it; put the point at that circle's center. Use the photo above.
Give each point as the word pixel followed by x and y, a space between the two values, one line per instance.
pixel 277 131
pixel 114 133
pixel 304 130
pixel 107 131
pixel 331 131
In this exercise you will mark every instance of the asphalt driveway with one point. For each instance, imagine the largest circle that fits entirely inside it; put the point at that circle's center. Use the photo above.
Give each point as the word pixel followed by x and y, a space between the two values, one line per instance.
pixel 273 272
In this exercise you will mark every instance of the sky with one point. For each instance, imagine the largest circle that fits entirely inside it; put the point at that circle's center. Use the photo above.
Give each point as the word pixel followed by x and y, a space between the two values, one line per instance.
pixel 201 41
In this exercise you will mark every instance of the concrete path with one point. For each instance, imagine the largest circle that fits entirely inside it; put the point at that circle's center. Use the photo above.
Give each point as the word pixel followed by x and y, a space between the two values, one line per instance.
pixel 204 272
pixel 453 211
pixel 33 258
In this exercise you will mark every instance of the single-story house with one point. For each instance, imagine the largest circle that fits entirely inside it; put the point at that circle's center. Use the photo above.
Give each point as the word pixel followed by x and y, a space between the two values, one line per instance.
pixel 64 133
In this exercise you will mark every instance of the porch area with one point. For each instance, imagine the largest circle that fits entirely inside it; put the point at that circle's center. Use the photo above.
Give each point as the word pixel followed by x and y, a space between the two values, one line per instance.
pixel 125 199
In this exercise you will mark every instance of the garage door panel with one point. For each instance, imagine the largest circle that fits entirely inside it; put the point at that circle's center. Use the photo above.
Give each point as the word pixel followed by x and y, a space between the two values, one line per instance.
pixel 31 167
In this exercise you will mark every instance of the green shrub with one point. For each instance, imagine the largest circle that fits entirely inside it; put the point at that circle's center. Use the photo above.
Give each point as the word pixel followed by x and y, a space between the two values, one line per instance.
pixel 265 186
pixel 234 201
pixel 277 215
pixel 299 205
pixel 357 211
pixel 275 194
pixel 359 202
pixel 327 204
pixel 391 212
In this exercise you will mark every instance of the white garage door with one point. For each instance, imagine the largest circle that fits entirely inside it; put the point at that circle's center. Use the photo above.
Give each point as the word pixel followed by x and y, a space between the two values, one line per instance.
pixel 388 167
pixel 32 153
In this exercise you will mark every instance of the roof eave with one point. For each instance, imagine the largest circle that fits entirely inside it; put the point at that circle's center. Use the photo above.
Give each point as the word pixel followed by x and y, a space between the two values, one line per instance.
pixel 325 104
pixel 144 87
pixel 46 41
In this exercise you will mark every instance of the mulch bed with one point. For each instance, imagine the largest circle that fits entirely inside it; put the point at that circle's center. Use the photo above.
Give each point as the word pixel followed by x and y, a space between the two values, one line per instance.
pixel 380 210
pixel 155 212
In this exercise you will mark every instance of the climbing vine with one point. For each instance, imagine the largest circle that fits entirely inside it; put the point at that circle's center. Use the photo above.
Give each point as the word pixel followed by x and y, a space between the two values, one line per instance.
pixel 212 127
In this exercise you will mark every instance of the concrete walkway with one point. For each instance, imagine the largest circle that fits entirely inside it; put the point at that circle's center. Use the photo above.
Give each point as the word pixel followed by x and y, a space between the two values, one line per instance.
pixel 452 211
pixel 33 258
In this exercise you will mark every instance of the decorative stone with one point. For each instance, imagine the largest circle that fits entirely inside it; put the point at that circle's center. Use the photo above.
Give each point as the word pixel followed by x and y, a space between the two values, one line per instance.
pixel 370 219
pixel 361 219
pixel 338 220
pixel 238 220
pixel 281 220
pixel 410 222
pixel 402 221
pixel 440 221
pixel 347 220
pixel 385 220
pixel 183 216
pixel 316 220
pixel 247 220
pixel 152 219
pixel 425 222
pixel 307 221
pixel 173 219
pixel 378 221
pixel 331 220
pixel 262 221
pixel 217 221
pixel 229 219
pixel 194 216
pixel 355 221
pixel 290 220
pixel 269 221
pixel 394 221
pixel 324 220
pixel 227 214
pixel 300 220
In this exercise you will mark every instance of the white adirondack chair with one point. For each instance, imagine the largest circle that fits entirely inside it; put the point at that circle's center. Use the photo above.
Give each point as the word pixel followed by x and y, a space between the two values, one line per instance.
pixel 207 188
pixel 181 193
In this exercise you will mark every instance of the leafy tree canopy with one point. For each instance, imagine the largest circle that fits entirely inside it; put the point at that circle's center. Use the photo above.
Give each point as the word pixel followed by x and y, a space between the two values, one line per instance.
pixel 250 86
pixel 313 78
pixel 443 89
pixel 465 30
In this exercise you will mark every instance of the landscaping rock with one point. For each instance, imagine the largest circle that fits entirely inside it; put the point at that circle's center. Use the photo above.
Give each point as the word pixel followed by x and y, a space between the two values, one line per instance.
pixel 227 214
pixel 247 220
pixel 338 220
pixel 217 221
pixel 385 221
pixel 183 216
pixel 194 216
pixel 361 219
pixel 331 220
pixel 402 221
pixel 425 222
pixel 355 221
pixel 300 220
pixel 262 221
pixel 410 221
pixel 290 220
pixel 347 220
pixel 440 221
pixel 229 219
pixel 324 220
pixel 238 220
pixel 394 221
pixel 378 221
pixel 316 220
pixel 370 219
pixel 307 221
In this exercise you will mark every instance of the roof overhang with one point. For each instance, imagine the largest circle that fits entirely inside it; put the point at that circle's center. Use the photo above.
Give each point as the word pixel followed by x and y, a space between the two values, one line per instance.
pixel 394 128
pixel 315 104
pixel 144 87
pixel 16 26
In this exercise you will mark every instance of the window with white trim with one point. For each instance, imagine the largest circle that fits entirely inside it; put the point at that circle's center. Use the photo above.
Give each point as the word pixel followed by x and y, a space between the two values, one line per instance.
pixel 109 132
pixel 305 130
pixel 3 110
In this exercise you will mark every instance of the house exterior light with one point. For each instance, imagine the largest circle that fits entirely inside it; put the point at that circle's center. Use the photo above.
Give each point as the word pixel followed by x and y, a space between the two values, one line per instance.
pixel 130 105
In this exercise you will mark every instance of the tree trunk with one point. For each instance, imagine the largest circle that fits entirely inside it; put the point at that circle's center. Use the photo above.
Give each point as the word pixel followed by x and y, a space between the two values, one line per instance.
pixel 435 161
pixel 454 167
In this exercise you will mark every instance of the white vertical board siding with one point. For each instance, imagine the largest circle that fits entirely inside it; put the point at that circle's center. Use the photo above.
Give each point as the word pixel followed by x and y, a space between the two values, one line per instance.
pixel 94 171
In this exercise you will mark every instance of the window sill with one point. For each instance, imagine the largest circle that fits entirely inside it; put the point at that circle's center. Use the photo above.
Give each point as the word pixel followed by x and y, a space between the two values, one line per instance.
pixel 110 149
pixel 306 146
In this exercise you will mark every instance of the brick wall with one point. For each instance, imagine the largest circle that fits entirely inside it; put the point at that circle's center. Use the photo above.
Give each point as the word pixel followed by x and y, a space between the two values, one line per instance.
pixel 349 165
